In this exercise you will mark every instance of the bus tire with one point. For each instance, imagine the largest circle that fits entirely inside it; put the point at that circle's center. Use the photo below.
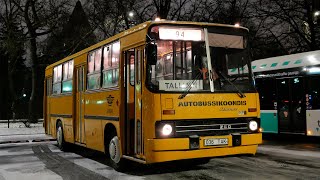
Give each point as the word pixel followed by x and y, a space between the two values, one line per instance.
pixel 60 137
pixel 114 154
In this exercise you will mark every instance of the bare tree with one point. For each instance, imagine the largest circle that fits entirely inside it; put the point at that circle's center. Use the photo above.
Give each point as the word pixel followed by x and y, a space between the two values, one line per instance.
pixel 162 7
pixel 12 39
pixel 39 18
pixel 291 23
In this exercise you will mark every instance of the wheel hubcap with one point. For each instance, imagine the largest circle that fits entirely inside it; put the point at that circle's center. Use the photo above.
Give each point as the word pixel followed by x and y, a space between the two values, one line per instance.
pixel 114 150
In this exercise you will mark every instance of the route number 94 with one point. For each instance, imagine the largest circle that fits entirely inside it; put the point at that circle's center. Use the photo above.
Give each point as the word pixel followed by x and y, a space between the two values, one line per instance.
pixel 180 34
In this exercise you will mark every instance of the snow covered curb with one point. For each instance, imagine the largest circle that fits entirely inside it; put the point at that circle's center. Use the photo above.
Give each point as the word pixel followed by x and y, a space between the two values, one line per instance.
pixel 25 138
pixel 18 133
pixel 20 129
pixel 281 151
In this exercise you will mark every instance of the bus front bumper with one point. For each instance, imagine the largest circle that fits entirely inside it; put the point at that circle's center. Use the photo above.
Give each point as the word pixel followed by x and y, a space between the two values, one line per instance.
pixel 162 150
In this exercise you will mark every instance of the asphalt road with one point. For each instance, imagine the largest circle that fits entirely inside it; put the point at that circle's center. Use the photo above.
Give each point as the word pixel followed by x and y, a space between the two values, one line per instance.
pixel 45 161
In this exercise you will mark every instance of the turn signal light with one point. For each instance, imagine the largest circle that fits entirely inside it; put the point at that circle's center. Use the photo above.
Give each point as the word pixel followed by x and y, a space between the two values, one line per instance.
pixel 168 112
pixel 252 109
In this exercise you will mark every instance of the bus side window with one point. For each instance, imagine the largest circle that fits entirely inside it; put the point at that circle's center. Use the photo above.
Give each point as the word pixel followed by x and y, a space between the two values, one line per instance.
pixel 132 69
pixel 57 74
pixel 312 98
pixel 94 69
pixel 267 95
pixel 110 72
pixel 67 76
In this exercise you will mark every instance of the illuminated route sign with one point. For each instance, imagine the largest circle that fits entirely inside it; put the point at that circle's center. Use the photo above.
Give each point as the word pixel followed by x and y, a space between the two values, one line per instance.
pixel 185 34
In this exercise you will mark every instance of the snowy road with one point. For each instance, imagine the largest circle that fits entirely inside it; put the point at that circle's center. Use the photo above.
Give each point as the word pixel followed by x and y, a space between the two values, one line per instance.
pixel 45 161
pixel 32 161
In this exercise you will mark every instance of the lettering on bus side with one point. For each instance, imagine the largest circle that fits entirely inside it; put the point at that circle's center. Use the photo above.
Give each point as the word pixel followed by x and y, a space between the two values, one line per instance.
pixel 212 103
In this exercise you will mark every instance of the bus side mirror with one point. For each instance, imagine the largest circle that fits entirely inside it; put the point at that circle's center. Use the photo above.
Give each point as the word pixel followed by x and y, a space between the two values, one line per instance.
pixel 151 52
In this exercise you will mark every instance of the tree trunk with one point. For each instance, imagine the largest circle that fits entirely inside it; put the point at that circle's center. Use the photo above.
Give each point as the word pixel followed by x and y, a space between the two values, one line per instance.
pixel 4 105
pixel 33 114
pixel 33 61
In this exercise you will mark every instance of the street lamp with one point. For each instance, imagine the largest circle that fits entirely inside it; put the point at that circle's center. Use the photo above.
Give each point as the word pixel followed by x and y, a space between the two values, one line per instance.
pixel 131 14
pixel 316 15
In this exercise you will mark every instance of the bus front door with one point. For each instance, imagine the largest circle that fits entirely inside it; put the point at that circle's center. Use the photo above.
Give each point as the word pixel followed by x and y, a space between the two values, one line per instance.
pixel 133 122
pixel 291 106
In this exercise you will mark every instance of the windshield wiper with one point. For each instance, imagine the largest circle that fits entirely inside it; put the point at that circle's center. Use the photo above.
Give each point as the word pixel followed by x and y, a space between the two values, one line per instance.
pixel 240 93
pixel 189 87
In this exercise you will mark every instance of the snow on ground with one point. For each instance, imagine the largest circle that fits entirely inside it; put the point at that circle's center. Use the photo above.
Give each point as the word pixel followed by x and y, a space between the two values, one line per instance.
pixel 18 128
pixel 20 163
pixel 281 150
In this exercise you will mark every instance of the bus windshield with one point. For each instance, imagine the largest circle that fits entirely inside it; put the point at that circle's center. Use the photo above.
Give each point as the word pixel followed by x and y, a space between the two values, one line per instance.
pixel 183 63
pixel 231 66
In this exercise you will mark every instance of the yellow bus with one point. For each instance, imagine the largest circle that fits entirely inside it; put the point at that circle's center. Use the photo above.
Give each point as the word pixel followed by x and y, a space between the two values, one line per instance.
pixel 160 91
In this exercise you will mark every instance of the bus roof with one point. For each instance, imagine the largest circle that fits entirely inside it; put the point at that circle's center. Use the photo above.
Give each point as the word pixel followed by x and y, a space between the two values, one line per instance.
pixel 287 61
pixel 135 29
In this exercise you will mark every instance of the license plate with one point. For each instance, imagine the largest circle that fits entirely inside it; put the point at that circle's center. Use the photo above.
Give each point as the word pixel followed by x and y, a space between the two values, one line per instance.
pixel 216 141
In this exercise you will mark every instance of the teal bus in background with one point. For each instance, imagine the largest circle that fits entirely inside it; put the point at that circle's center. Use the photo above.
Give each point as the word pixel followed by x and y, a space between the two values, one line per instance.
pixel 289 90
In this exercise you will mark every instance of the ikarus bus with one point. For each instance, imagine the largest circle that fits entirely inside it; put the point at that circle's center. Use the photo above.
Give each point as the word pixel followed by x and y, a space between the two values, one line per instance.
pixel 160 91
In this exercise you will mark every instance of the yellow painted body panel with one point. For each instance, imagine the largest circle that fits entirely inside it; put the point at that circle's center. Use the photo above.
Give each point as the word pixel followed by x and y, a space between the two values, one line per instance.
pixel 96 105
pixel 162 150
pixel 63 106
pixel 163 156
pixel 94 134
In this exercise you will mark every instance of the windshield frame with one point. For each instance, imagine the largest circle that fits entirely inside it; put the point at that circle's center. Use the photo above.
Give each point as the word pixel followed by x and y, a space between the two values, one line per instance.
pixel 210 29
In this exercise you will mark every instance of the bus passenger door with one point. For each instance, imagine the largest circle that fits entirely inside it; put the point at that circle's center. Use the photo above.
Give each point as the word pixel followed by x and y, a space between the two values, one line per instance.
pixel 130 101
pixel 138 102
pixel 133 109
pixel 291 106
pixel 79 108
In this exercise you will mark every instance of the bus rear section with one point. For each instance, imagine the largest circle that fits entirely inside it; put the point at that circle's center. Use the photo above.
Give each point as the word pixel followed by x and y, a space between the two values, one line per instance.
pixel 201 99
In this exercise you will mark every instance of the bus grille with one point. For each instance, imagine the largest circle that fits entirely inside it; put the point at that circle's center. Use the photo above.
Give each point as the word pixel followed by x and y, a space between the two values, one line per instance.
pixel 210 127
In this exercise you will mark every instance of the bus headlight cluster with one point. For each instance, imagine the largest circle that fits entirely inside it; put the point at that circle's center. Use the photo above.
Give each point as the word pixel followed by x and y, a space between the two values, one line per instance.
pixel 166 130
pixel 253 125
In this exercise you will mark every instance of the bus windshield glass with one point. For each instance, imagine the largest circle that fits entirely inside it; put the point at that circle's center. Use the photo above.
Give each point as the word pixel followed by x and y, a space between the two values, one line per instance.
pixel 183 62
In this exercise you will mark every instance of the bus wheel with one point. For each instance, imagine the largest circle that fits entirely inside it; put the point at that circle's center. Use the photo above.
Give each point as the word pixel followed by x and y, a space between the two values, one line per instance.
pixel 114 154
pixel 60 137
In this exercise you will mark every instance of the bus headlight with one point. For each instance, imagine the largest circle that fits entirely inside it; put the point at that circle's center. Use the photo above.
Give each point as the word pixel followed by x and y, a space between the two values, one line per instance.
pixel 253 125
pixel 166 130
